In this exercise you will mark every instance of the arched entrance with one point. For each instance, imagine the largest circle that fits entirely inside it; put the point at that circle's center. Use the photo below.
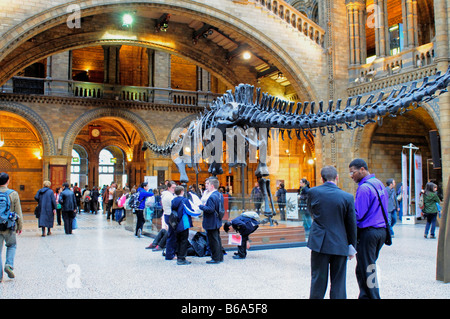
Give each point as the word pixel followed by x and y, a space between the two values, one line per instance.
pixel 382 145
pixel 112 167
pixel 21 156
pixel 117 133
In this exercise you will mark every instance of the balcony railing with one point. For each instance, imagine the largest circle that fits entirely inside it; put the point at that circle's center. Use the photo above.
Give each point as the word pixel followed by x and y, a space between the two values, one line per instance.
pixel 294 18
pixel 406 61
pixel 69 88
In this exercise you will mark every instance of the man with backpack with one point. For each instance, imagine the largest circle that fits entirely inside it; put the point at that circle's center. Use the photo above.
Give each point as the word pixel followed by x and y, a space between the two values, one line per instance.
pixel 10 224
pixel 212 220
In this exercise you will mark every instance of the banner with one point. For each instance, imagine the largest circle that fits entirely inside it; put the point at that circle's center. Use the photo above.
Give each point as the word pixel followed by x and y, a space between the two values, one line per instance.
pixel 404 184
pixel 291 206
pixel 418 181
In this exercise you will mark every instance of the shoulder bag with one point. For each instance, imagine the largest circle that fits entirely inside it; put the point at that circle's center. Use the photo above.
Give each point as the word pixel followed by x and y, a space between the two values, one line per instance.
pixel 388 240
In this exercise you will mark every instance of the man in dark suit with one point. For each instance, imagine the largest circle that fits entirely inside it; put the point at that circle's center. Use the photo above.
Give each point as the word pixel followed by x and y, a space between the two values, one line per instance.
pixel 332 237
pixel 212 220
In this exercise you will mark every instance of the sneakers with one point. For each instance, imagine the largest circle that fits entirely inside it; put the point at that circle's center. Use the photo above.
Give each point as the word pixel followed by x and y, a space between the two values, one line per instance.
pixel 9 271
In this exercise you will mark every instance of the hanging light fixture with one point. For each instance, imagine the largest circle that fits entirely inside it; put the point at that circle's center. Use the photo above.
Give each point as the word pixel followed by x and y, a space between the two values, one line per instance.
pixel 127 20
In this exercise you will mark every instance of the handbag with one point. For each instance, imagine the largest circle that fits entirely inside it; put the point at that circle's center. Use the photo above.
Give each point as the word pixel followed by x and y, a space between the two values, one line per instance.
pixel 37 211
pixel 74 223
pixel 388 240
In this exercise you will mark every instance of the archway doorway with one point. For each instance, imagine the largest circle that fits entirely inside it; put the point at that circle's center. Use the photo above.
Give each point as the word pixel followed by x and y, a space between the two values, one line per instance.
pixel 386 145
pixel 112 167
pixel 21 157
pixel 79 166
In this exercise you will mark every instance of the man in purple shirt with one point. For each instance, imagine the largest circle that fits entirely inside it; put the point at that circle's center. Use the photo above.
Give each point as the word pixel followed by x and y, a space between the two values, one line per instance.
pixel 371 227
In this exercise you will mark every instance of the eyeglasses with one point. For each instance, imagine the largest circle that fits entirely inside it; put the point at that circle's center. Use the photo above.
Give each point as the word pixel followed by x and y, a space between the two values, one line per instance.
pixel 352 172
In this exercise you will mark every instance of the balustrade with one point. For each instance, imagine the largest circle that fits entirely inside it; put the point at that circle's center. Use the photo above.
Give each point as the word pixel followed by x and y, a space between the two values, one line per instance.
pixel 406 61
pixel 108 91
pixel 294 18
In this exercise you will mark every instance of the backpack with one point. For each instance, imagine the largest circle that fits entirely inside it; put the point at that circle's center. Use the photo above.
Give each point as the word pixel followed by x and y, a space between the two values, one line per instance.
pixel 421 201
pixel 7 218
pixel 221 211
pixel 121 201
pixel 134 202
pixel 173 219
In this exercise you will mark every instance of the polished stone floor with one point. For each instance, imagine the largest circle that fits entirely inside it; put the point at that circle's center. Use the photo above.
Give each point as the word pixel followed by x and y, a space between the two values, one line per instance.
pixel 104 260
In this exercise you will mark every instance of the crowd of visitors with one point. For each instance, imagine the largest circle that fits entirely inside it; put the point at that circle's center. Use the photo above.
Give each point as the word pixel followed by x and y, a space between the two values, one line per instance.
pixel 341 226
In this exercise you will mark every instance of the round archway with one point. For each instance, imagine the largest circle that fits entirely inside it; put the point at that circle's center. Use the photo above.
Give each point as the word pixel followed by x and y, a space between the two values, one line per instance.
pixel 21 156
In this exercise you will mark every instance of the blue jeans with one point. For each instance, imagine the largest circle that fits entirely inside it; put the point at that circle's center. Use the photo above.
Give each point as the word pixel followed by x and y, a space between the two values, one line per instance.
pixel 431 221
pixel 393 220
pixel 9 236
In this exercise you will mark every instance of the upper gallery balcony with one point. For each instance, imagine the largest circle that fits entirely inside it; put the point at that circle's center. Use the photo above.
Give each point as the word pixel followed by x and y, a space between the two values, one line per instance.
pixel 91 90
pixel 409 65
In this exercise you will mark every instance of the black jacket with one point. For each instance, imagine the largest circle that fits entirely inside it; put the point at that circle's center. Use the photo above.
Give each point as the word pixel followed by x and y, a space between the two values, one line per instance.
pixel 67 200
pixel 334 225
pixel 245 225
pixel 214 204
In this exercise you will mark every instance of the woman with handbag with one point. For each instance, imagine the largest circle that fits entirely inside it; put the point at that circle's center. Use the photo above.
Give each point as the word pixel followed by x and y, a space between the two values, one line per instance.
pixel 430 209
pixel 47 205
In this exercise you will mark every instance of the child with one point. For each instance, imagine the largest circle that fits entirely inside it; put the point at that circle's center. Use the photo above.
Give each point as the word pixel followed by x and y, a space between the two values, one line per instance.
pixel 181 205
pixel 244 224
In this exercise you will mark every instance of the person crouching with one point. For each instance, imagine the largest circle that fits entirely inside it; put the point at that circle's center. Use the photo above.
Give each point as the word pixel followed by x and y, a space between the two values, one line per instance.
pixel 244 224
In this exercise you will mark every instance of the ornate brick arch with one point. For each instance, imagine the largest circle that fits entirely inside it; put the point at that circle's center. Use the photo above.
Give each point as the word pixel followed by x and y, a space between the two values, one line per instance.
pixel 36 121
pixel 141 126
pixel 7 161
pixel 362 137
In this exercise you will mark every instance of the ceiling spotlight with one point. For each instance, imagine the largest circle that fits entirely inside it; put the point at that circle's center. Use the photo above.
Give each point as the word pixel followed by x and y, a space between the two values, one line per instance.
pixel 127 20
pixel 247 55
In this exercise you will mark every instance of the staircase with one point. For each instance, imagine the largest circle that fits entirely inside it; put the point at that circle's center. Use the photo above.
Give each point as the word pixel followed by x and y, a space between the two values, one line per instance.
pixel 292 17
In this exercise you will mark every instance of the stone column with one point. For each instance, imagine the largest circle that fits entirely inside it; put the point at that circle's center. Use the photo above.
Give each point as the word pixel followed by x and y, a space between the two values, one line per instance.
pixel 381 29
pixel 162 77
pixel 112 60
pixel 151 67
pixel 111 70
pixel 357 33
pixel 59 67
pixel 442 59
pixel 410 30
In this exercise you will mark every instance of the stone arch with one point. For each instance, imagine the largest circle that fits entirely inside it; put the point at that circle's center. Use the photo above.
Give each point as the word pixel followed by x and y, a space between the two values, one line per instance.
pixel 125 148
pixel 141 126
pixel 362 137
pixel 38 123
pixel 7 161
pixel 47 19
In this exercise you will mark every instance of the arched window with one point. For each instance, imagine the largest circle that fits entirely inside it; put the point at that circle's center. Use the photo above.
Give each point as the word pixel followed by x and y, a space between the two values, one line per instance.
pixel 106 167
pixel 75 167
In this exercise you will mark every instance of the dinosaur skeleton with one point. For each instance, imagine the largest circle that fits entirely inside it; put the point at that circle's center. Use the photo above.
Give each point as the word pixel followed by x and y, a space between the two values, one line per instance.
pixel 232 115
